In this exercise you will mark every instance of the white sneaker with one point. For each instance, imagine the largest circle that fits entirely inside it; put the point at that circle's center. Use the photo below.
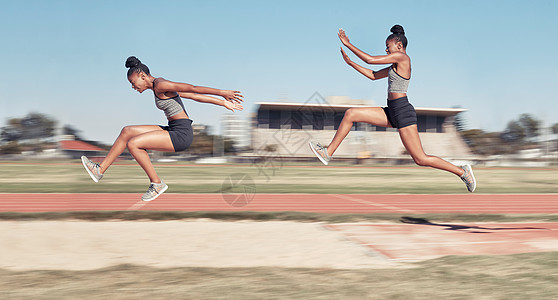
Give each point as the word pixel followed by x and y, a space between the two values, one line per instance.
pixel 320 151
pixel 154 191
pixel 93 169
pixel 469 178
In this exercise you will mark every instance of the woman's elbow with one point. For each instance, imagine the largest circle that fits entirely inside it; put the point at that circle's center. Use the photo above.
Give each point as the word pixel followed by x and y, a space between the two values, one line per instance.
pixel 194 89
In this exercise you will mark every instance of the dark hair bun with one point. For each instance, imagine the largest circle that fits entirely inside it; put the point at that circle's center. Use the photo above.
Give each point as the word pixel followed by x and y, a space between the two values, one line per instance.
pixel 397 29
pixel 132 61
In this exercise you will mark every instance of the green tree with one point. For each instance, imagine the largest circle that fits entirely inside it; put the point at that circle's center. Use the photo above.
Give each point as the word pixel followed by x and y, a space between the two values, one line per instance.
pixel 459 121
pixel 11 148
pixel 71 130
pixel 514 133
pixel 32 126
pixel 203 142
pixel 485 143
pixel 530 125
pixel 10 133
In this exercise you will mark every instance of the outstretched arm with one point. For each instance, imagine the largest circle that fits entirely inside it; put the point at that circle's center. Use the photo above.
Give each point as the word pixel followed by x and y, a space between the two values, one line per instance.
pixel 392 58
pixel 179 87
pixel 345 40
pixel 208 99
pixel 373 75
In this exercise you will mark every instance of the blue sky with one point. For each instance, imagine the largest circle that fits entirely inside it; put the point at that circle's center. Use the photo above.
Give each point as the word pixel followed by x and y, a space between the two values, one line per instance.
pixel 66 58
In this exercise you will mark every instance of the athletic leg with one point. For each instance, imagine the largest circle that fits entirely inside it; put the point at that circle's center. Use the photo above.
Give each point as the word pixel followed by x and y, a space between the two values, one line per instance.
pixel 121 142
pixel 411 140
pixel 371 115
pixel 154 140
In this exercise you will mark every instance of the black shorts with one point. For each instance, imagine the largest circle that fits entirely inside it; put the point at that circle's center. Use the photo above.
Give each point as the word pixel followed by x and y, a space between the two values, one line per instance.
pixel 181 133
pixel 400 113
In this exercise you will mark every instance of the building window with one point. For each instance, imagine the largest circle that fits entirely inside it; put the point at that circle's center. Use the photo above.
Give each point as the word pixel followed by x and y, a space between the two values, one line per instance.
pixel 421 123
pixel 440 124
pixel 286 119
pixel 263 118
pixel 307 119
pixel 274 119
pixel 296 120
pixel 430 123
pixel 318 123
pixel 329 121
pixel 337 118
pixel 304 118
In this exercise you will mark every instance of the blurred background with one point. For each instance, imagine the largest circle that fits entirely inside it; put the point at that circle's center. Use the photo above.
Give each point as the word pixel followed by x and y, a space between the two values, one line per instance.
pixel 480 95
pixel 482 86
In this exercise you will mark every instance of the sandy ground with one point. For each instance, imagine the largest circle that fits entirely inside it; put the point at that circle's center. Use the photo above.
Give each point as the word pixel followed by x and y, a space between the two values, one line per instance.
pixel 81 245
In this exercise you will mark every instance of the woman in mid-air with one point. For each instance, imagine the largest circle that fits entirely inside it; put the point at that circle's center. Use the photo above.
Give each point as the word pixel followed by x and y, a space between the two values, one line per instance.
pixel 175 137
pixel 399 113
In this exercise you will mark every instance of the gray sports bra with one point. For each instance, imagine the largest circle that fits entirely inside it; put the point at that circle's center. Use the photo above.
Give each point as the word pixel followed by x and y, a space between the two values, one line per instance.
pixel 170 106
pixel 396 82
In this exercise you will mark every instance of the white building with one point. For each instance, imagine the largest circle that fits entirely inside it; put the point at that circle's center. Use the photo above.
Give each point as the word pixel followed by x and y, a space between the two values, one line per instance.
pixel 236 129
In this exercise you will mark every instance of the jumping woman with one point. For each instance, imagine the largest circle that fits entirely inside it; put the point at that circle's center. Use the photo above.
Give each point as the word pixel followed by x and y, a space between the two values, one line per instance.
pixel 399 113
pixel 175 137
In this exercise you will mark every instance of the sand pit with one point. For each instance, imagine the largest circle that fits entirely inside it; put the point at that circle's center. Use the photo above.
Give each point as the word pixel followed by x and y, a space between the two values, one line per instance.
pixel 83 245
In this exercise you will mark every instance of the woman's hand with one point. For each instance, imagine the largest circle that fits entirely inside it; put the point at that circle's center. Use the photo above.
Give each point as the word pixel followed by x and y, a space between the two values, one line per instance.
pixel 233 96
pixel 345 57
pixel 232 105
pixel 343 37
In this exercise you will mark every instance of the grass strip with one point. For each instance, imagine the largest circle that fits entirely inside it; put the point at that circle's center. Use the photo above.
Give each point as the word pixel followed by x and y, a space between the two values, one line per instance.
pixel 269 216
pixel 520 276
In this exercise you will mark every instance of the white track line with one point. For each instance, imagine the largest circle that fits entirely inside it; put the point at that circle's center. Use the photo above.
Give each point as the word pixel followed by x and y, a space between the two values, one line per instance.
pixel 137 205
pixel 375 204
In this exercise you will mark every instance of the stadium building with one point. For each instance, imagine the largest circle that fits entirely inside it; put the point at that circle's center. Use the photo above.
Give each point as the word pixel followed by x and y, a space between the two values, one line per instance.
pixel 286 128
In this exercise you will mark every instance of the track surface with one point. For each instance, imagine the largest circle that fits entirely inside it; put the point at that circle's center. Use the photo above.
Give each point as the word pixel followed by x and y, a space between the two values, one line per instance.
pixel 321 203
pixel 392 241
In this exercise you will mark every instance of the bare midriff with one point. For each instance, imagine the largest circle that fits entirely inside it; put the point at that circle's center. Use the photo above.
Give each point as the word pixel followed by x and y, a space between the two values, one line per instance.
pixel 393 96
pixel 180 115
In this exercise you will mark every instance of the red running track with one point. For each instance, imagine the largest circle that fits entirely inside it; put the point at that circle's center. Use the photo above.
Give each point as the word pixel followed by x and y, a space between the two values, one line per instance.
pixel 321 203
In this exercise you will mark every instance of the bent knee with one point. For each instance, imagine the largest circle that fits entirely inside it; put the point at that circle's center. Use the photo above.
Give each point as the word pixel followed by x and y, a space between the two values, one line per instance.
pixel 422 160
pixel 127 132
pixel 350 114
pixel 133 143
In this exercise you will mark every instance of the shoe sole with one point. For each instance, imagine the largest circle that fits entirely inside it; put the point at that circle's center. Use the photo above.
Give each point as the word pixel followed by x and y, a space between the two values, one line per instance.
pixel 317 154
pixel 158 194
pixel 474 179
pixel 83 158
